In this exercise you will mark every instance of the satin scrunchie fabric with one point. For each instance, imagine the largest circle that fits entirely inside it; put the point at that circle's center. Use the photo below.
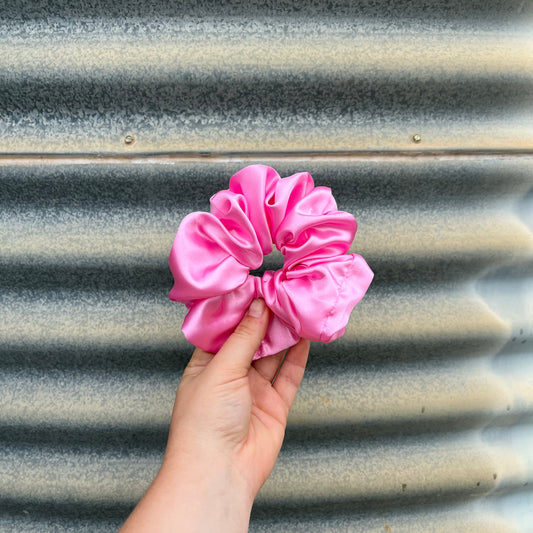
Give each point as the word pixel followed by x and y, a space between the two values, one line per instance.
pixel 314 293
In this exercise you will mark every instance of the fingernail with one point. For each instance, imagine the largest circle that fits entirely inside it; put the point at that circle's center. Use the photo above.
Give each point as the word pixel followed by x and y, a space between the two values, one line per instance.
pixel 256 308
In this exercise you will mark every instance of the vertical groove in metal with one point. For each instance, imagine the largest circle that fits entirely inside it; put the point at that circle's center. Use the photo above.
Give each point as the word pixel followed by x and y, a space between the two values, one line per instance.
pixel 134 113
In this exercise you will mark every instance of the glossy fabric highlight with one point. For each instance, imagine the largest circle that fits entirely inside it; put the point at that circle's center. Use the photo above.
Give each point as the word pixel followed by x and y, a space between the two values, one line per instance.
pixel 314 293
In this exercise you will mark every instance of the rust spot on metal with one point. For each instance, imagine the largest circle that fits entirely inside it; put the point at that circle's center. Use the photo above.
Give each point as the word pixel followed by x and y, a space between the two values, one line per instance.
pixel 325 399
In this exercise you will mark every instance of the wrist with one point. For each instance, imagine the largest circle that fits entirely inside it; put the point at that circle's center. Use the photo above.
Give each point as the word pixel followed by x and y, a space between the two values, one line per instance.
pixel 205 495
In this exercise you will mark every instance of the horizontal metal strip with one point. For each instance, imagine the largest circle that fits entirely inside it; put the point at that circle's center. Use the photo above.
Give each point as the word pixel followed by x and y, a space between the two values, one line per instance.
pixel 172 355
pixel 250 157
pixel 26 521
pixel 459 518
pixel 329 518
pixel 401 395
pixel 132 131
pixel 348 403
pixel 367 181
pixel 66 236
pixel 142 277
pixel 457 467
pixel 447 466
pixel 77 319
pixel 209 51
pixel 476 15
pixel 466 520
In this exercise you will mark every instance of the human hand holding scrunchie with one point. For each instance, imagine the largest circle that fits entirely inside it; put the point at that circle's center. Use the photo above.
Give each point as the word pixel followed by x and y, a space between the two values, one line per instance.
pixel 229 418
pixel 225 435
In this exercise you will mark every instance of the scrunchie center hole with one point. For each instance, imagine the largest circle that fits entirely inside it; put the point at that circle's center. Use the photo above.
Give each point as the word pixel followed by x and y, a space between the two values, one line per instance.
pixel 272 261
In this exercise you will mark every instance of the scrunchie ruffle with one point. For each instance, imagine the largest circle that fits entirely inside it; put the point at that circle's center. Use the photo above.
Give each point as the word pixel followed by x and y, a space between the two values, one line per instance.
pixel 314 293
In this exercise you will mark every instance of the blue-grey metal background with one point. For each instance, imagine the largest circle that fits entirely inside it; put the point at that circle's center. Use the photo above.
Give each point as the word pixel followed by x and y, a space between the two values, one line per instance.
pixel 119 117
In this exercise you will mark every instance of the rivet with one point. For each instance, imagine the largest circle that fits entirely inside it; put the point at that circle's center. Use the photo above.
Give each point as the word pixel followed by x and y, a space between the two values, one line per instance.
pixel 129 139
pixel 417 138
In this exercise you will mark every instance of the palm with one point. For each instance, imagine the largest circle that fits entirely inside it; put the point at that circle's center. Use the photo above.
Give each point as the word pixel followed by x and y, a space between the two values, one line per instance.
pixel 243 412
pixel 270 406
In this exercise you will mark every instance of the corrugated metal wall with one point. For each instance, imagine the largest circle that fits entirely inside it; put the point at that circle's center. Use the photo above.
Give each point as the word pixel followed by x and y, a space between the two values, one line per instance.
pixel 119 117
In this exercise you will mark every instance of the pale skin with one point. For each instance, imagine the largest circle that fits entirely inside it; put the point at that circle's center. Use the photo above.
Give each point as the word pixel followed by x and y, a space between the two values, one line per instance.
pixel 225 435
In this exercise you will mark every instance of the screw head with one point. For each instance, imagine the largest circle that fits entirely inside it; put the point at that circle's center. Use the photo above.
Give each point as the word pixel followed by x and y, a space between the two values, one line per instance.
pixel 129 139
pixel 416 138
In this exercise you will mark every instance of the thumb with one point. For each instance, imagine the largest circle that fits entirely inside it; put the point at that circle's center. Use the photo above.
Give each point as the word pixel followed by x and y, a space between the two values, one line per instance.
pixel 237 353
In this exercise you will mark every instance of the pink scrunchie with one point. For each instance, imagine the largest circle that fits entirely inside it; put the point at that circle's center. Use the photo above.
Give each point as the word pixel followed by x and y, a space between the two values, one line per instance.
pixel 314 293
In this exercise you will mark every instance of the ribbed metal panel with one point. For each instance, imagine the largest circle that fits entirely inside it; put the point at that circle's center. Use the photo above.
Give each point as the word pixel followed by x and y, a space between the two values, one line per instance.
pixel 420 418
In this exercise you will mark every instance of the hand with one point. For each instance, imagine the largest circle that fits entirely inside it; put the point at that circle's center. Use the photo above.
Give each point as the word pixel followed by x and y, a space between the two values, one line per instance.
pixel 226 432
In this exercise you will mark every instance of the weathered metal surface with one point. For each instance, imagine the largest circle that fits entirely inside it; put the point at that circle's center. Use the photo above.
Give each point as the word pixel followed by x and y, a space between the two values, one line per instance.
pixel 409 410
pixel 421 417
pixel 151 77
